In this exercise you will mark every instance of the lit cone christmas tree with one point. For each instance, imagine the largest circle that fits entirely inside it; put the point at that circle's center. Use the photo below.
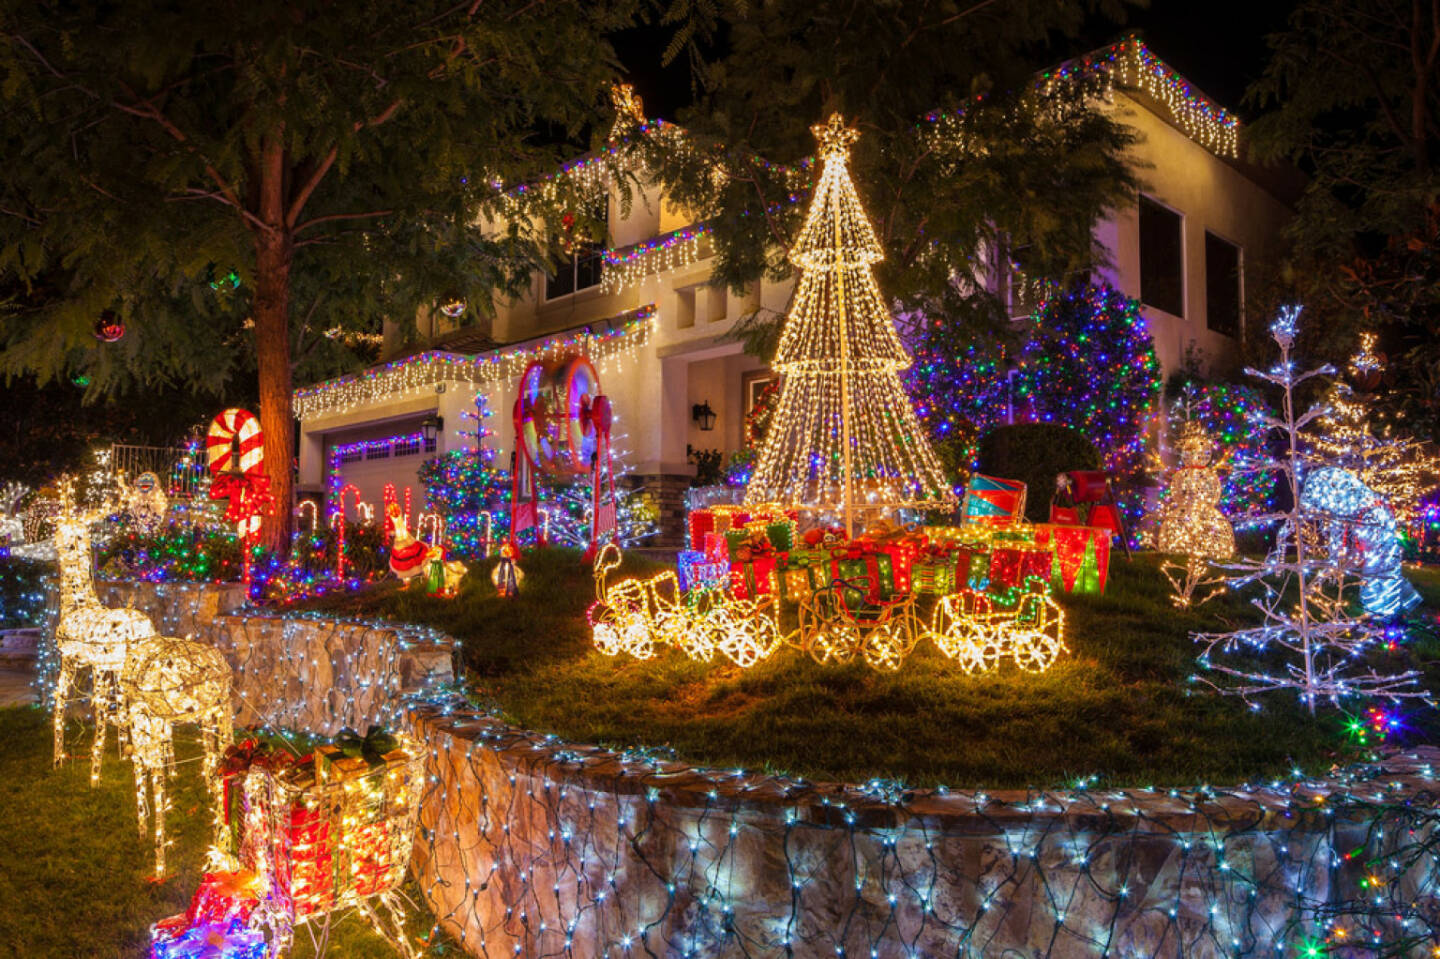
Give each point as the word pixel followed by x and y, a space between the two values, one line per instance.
pixel 845 440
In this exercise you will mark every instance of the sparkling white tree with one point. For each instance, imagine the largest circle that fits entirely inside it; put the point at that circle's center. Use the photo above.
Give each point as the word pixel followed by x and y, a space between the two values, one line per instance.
pixel 845 440
pixel 1308 639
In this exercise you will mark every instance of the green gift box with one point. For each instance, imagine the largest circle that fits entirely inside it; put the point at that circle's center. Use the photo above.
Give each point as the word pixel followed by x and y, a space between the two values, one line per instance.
pixel 868 579
pixel 781 535
pixel 934 576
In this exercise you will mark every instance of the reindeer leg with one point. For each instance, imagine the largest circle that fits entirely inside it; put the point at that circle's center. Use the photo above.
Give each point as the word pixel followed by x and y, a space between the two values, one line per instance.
pixel 63 684
pixel 162 805
pixel 142 778
pixel 103 700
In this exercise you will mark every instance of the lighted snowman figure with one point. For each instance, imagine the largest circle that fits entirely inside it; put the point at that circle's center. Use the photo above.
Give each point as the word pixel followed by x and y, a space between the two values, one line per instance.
pixel 1191 523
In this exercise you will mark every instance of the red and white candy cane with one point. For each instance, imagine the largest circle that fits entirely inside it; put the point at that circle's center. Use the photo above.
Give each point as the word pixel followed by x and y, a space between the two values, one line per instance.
pixel 225 454
pixel 339 522
pixel 235 453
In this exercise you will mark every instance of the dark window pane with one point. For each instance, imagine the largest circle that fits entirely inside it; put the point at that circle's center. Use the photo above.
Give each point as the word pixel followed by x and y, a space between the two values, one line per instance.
pixel 1162 263
pixel 1222 286
pixel 587 268
pixel 563 281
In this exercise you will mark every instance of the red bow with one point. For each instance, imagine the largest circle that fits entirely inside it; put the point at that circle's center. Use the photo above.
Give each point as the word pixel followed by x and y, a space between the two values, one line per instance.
pixel 249 494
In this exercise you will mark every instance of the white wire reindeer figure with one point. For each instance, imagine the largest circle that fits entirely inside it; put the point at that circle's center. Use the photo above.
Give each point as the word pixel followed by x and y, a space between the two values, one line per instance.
pixel 89 635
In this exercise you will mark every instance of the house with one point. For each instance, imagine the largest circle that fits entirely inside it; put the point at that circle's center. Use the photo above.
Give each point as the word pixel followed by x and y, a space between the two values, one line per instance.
pixel 642 311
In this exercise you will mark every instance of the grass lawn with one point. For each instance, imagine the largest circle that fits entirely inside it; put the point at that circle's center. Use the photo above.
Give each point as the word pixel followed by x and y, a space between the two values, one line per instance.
pixel 73 868
pixel 1117 707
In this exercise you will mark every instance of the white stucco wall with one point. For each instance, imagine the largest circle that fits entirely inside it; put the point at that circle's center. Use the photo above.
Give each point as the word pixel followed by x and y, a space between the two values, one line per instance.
pixel 1211 195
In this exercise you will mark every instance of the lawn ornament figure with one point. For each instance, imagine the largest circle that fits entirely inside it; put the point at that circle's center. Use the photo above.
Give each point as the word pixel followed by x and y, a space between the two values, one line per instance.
pixel 442 576
pixel 89 635
pixel 407 554
pixel 167 682
pixel 1191 524
pixel 562 429
pixel 1350 513
pixel 144 500
pixel 507 573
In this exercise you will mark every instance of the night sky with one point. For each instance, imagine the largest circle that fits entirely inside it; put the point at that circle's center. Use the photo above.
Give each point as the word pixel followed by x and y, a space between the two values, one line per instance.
pixel 1218 45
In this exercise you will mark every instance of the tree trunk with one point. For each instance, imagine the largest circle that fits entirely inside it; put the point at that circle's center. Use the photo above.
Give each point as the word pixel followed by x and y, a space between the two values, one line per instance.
pixel 274 252
pixel 272 353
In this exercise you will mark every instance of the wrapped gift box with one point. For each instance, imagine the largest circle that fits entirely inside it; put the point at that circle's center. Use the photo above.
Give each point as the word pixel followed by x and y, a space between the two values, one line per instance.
pixel 752 579
pixel 934 575
pixel 230 940
pixel 336 828
pixel 1082 557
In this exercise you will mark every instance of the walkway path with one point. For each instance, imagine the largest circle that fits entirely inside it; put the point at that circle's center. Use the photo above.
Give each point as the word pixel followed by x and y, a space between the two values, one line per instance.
pixel 16 686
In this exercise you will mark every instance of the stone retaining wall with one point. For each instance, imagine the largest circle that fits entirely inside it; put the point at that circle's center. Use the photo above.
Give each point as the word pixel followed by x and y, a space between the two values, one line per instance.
pixel 305 673
pixel 535 847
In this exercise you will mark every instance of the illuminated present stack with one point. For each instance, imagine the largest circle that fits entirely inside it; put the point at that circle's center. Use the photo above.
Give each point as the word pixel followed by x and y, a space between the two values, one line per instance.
pixel 845 441
pixel 331 832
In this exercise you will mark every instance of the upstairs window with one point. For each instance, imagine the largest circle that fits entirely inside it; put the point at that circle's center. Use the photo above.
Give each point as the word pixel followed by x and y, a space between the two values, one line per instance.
pixel 1223 285
pixel 583 268
pixel 1162 258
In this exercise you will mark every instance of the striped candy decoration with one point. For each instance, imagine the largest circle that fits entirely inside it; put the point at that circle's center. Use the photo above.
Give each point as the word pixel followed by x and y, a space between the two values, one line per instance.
pixel 220 446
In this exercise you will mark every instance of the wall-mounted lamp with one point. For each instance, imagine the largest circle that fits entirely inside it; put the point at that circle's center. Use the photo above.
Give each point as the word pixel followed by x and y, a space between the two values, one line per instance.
pixel 703 415
pixel 431 427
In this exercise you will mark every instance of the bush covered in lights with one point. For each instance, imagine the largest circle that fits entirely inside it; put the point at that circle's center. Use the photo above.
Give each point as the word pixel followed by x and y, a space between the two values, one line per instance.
pixel 1090 362
pixel 473 497
pixel 172 554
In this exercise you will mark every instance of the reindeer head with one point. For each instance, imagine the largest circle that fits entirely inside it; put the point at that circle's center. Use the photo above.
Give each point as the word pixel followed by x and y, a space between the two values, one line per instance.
pixel 72 522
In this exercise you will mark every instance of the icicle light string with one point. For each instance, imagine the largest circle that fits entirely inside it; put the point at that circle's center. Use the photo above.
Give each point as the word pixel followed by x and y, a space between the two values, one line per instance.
pixel 424 371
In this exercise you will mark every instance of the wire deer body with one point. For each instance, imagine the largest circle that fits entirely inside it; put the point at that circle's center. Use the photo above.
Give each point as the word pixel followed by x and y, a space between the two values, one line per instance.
pixel 144 683
pixel 89 635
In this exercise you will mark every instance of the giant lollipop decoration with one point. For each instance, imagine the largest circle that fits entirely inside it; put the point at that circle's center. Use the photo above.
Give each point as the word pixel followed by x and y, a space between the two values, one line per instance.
pixel 235 453
pixel 562 429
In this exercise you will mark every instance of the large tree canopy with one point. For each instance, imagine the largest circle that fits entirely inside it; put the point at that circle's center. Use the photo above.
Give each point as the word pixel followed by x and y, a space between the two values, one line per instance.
pixel 275 170
pixel 960 160
pixel 1352 96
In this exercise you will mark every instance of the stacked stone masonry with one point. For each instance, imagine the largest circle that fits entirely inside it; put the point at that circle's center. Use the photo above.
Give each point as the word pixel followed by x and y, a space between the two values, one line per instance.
pixel 309 674
pixel 536 847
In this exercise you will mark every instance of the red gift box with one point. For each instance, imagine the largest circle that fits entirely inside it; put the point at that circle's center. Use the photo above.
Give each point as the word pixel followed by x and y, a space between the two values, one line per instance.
pixel 750 580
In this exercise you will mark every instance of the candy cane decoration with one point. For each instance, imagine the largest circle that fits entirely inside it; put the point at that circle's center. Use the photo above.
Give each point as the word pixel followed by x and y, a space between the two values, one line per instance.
pixel 235 455
pixel 307 516
pixel 338 522
pixel 489 531
pixel 436 523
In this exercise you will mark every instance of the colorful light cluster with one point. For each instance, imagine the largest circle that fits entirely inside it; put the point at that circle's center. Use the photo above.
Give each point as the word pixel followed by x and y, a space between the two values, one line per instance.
pixel 669 252
pixel 845 440
pixel 1090 363
pixel 423 372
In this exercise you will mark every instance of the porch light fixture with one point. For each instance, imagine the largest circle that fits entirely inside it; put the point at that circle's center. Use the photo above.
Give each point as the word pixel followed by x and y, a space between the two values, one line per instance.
pixel 702 414
pixel 431 427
